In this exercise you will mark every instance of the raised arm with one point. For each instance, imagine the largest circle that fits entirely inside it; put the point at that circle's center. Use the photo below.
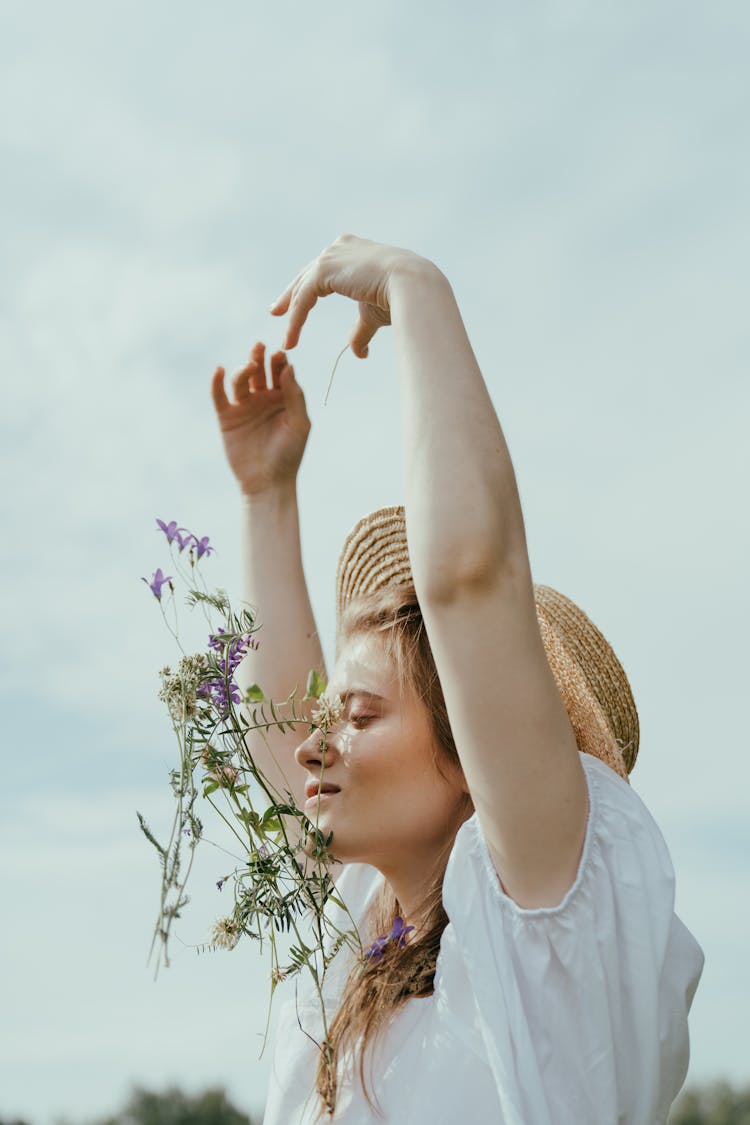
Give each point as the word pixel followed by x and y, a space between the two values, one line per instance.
pixel 265 430
pixel 468 552
pixel 467 545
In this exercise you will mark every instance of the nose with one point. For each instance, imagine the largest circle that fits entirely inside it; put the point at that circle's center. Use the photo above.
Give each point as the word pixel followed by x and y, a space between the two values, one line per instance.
pixel 310 753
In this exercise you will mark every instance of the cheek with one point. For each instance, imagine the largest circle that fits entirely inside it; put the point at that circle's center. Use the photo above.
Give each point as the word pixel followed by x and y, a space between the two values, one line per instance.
pixel 396 757
pixel 373 760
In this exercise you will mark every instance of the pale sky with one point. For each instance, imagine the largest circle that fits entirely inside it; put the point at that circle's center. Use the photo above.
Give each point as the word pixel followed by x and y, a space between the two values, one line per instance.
pixel 580 172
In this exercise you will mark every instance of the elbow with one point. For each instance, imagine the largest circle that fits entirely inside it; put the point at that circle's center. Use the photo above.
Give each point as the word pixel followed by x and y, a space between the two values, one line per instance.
pixel 472 559
pixel 467 572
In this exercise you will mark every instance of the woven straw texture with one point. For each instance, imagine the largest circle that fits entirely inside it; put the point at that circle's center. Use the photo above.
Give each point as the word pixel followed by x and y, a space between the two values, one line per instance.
pixel 589 677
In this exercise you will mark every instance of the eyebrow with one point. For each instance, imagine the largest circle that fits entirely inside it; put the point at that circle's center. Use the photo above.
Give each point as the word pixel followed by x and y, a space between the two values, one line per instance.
pixel 371 696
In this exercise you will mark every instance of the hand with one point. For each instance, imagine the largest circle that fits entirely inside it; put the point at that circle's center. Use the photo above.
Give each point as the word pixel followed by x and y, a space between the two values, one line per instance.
pixel 265 429
pixel 356 268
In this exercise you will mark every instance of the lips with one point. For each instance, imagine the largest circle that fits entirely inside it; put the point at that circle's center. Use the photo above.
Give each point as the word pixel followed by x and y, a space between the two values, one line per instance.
pixel 313 788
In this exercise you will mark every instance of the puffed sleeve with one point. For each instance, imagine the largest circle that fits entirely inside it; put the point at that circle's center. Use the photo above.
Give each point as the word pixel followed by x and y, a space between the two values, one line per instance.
pixel 583 1006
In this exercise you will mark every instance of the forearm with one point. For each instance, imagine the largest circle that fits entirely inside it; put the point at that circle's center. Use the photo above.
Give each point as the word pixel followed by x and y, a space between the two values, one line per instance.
pixel 462 503
pixel 274 583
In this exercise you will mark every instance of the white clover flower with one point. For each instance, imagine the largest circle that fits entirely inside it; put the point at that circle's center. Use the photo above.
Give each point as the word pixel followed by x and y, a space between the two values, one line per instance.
pixel 329 712
pixel 225 933
pixel 179 689
pixel 193 669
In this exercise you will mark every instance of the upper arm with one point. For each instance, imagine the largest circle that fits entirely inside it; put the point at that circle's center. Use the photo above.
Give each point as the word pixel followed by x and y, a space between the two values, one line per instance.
pixel 514 739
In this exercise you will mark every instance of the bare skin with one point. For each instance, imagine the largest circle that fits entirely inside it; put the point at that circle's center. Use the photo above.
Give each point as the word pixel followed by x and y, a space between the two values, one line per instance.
pixel 394 809
pixel 265 427
pixel 467 547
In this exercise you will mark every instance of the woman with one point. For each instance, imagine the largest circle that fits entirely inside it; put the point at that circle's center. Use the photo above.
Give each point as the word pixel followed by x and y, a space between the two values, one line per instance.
pixel 525 964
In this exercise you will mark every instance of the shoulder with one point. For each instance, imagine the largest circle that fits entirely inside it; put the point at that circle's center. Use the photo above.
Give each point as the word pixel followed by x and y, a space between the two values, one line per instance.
pixel 623 851
pixel 607 975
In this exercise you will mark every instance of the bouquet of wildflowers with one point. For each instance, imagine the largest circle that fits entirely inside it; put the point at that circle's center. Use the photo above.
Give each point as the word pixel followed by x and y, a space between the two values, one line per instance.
pixel 279 875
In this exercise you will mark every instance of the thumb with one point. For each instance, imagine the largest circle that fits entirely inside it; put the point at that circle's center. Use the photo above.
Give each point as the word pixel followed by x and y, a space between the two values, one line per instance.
pixel 370 319
pixel 360 339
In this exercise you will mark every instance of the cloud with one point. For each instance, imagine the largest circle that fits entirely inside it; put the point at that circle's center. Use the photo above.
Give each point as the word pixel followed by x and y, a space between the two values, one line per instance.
pixel 80 885
pixel 579 174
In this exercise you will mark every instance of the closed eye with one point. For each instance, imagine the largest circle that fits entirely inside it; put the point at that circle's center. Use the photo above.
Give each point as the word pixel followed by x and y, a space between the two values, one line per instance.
pixel 360 721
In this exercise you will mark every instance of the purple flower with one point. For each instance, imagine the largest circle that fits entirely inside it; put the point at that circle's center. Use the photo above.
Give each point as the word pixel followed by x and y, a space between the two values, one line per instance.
pixel 232 650
pixel 170 529
pixel 183 541
pixel 156 583
pixel 398 934
pixel 220 883
pixel 201 546
pixel 180 535
pixel 215 690
pixel 375 952
pixel 235 650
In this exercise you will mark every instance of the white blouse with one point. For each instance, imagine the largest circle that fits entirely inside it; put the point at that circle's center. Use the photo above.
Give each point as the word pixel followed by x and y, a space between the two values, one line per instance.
pixel 568 1015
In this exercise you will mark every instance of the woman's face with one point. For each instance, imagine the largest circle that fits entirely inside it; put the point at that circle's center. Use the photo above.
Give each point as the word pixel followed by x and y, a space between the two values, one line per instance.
pixel 393 809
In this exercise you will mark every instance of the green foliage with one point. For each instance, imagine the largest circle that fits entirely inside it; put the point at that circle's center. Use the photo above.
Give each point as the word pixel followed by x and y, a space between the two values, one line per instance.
pixel 173 1107
pixel 217 599
pixel 717 1103
pixel 280 880
pixel 714 1104
pixel 149 835
pixel 315 687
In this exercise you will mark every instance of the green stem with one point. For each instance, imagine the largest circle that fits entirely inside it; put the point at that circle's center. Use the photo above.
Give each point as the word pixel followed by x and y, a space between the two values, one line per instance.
pixel 330 381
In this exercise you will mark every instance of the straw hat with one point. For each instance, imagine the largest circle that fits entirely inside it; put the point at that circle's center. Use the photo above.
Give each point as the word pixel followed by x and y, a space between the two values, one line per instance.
pixel 589 677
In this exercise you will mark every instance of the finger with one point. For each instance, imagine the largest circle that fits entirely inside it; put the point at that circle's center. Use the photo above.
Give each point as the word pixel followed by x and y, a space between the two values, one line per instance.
pixel 281 304
pixel 370 320
pixel 278 363
pixel 360 339
pixel 305 299
pixel 241 385
pixel 218 394
pixel 294 397
pixel 257 367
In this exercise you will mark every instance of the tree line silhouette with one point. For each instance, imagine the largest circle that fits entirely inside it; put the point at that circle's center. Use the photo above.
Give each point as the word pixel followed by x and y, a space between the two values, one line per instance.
pixel 717 1103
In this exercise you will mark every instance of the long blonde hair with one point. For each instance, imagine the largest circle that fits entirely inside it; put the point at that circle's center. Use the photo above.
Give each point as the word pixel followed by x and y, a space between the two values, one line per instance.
pixel 374 992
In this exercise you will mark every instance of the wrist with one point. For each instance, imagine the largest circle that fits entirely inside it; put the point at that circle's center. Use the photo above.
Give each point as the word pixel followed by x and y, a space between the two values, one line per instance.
pixel 272 498
pixel 414 273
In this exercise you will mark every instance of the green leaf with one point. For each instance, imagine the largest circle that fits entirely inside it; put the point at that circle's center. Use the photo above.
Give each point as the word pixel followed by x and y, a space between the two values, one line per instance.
pixel 249 818
pixel 147 833
pixel 279 809
pixel 316 685
pixel 218 599
pixel 254 694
